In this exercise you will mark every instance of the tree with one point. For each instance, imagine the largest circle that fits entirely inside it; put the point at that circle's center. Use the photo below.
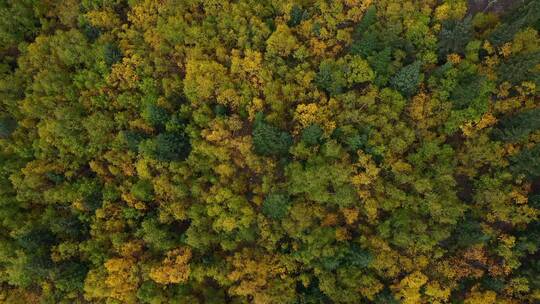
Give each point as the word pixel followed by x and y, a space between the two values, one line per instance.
pixel 282 41
pixel 111 53
pixel 268 140
pixel 297 14
pixel 7 126
pixel 174 268
pixel 312 135
pixel 275 205
pixel 407 80
pixel 143 190
pixel 331 77
pixel 166 146
pixel 454 36
pixel 155 115
pixel 527 162
pixel 518 127
pixel 520 68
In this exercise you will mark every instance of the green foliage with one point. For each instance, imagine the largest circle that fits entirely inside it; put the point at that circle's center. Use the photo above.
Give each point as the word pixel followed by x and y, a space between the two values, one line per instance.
pixel 220 110
pixel 466 91
pixel 520 68
pixel 143 190
pixel 275 205
pixel 524 15
pixel 365 41
pixel 350 256
pixel 331 77
pixel 155 115
pixel 407 80
pixel 111 52
pixel 69 277
pixel 18 22
pixel 157 235
pixel 312 135
pixel 7 126
pixel 454 36
pixel 335 76
pixel 150 292
pixel 131 139
pixel 90 32
pixel 527 162
pixel 518 126
pixel 369 18
pixel 268 140
pixel 297 14
pixel 322 182
pixel 166 146
pixel 381 64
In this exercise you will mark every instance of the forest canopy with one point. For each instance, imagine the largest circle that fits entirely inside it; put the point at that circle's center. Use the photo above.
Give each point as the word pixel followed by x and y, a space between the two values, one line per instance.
pixel 269 151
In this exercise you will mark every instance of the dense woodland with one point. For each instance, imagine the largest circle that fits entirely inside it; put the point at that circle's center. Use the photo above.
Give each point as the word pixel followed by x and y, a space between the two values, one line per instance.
pixel 269 151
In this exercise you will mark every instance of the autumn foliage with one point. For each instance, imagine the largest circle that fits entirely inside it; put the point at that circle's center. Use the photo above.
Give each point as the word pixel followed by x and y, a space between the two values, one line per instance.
pixel 269 151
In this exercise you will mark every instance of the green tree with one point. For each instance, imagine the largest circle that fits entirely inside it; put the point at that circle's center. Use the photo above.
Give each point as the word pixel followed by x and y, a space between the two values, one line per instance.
pixel 166 146
pixel 407 80
pixel 143 190
pixel 518 126
pixel 454 36
pixel 7 126
pixel 527 162
pixel 275 205
pixel 312 135
pixel 268 140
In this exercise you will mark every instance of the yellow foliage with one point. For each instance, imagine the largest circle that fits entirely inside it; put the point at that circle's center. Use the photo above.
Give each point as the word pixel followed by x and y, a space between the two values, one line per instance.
pixel 124 74
pixel 478 297
pixel 454 58
pixel 331 219
pixel 506 49
pixel 519 198
pixel 225 170
pixel 253 272
pixel 385 261
pixel 527 88
pixel 204 80
pixel 143 169
pixel 318 46
pixel 417 108
pixel 451 9
pixel 343 234
pixel 409 287
pixel 526 40
pixel 350 215
pixel 131 249
pixel 312 113
pixel 250 65
pixel 306 114
pixel 282 41
pixel 132 201
pixel 105 19
pixel 487 120
pixel 488 47
pixel 145 13
pixel 229 97
pixel 437 293
pixel 255 107
pixel 174 268
pixel 369 170
pixel 122 279
pixel 94 287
